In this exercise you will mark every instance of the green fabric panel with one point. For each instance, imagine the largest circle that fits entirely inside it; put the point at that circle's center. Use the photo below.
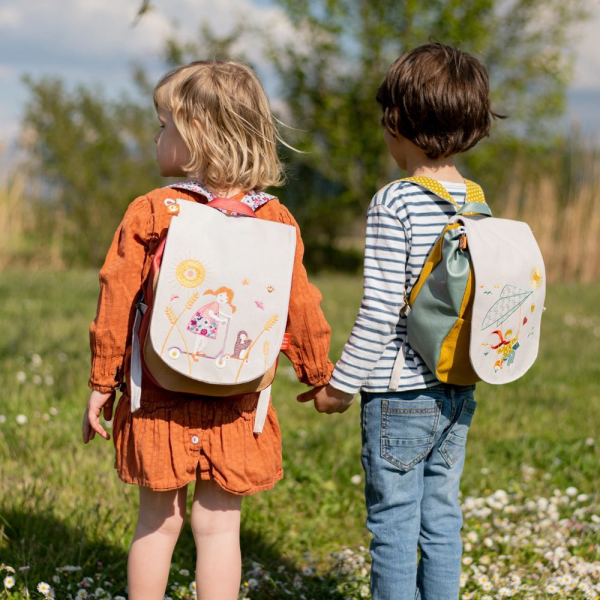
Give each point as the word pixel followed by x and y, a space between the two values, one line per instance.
pixel 437 305
pixel 476 207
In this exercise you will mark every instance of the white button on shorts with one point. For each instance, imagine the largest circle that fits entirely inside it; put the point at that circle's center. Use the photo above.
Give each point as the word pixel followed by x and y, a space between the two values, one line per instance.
pixel 195 439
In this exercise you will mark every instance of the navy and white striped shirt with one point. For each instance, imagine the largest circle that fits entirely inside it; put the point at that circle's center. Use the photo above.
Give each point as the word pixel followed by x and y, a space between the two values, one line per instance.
pixel 404 221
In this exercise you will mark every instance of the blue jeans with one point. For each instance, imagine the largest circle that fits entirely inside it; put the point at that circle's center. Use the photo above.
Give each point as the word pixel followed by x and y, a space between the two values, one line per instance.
pixel 413 451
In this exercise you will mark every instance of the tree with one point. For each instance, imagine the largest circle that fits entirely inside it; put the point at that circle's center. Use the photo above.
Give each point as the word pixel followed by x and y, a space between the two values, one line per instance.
pixel 329 70
pixel 93 157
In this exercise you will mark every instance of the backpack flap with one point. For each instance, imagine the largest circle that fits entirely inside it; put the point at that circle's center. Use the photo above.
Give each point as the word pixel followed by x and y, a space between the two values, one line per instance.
pixel 510 288
pixel 221 301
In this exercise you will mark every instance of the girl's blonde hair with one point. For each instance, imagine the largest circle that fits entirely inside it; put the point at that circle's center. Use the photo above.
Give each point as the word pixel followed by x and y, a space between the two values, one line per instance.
pixel 223 115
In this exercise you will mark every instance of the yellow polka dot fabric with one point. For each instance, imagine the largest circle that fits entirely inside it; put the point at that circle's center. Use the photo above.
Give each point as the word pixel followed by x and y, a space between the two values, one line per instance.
pixel 474 191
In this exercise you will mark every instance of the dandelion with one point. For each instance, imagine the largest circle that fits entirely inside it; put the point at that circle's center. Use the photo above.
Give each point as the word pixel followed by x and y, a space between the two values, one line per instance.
pixel 9 581
pixel 21 419
pixel 44 588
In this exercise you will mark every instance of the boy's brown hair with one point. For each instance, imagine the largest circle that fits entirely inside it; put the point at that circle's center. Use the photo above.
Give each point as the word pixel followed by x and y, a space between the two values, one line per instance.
pixel 437 97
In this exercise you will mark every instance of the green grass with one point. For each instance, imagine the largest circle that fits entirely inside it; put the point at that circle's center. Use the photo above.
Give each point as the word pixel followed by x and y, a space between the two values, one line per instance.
pixel 61 502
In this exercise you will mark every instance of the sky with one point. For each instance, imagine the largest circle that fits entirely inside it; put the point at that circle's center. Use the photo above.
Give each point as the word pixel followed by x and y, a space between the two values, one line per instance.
pixel 93 41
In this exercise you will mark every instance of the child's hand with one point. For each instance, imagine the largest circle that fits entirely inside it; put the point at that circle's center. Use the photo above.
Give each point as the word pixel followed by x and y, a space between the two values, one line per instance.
pixel 91 417
pixel 328 399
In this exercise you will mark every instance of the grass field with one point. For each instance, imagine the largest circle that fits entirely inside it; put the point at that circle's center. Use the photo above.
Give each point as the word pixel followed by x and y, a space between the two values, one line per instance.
pixel 530 489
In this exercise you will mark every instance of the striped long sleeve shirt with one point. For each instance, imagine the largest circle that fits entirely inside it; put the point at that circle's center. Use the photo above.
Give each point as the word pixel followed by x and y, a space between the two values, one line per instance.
pixel 404 221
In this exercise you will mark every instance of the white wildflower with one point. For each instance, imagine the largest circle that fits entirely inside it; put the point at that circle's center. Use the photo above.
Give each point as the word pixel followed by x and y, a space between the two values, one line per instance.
pixel 2 418
pixel 36 360
pixel 9 581
pixel 184 572
pixel 590 441
pixel 21 419
pixel 37 380
pixel 356 479
pixel 21 377
pixel 44 588
pixel 571 491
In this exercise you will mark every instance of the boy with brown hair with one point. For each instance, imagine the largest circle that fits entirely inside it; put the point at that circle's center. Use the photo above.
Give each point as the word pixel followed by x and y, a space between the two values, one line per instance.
pixel 435 102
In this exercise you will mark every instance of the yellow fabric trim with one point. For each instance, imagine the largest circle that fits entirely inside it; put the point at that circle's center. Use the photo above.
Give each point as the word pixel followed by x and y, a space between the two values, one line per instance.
pixel 435 256
pixel 454 364
pixel 474 191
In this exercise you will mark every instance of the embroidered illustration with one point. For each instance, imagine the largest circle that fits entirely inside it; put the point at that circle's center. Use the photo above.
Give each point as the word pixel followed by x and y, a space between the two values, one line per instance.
pixel 536 278
pixel 267 327
pixel 207 319
pixel 173 298
pixel 259 304
pixel 505 348
pixel 245 282
pixel 241 345
pixel 173 319
pixel 511 299
pixel 266 353
pixel 190 273
pixel 270 289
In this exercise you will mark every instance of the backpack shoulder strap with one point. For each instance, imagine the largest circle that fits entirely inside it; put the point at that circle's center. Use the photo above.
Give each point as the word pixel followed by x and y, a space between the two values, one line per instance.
pixel 474 191
pixel 252 199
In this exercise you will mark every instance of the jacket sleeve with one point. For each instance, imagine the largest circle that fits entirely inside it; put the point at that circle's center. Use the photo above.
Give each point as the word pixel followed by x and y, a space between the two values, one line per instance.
pixel 120 283
pixel 310 334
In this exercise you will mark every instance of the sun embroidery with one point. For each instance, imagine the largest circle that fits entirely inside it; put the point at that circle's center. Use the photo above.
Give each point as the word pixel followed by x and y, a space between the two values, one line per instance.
pixel 245 282
pixel 536 278
pixel 190 273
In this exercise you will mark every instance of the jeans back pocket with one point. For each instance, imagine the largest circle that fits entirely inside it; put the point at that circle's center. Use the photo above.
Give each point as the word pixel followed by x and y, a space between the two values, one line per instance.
pixel 454 444
pixel 408 429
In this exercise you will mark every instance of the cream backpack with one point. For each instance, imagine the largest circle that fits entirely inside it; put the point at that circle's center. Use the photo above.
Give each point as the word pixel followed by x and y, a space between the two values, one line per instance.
pixel 216 316
pixel 475 312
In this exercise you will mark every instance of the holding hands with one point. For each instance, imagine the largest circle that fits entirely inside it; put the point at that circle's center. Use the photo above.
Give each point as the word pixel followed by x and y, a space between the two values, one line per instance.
pixel 328 399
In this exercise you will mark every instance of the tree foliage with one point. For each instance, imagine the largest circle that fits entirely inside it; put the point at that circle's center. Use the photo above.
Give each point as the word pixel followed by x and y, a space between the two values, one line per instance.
pixel 329 69
pixel 94 156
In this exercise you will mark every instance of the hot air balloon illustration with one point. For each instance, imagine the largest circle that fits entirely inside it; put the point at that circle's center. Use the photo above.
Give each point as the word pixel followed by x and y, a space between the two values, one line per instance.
pixel 511 298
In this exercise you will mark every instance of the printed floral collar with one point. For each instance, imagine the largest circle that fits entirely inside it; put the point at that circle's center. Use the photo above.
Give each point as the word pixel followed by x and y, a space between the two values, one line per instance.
pixel 253 199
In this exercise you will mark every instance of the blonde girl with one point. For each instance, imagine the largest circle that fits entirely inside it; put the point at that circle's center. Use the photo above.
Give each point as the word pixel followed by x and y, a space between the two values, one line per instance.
pixel 216 128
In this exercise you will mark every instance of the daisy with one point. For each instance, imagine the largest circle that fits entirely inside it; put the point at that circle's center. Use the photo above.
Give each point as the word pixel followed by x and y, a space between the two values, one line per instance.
pixel 9 581
pixel 44 588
